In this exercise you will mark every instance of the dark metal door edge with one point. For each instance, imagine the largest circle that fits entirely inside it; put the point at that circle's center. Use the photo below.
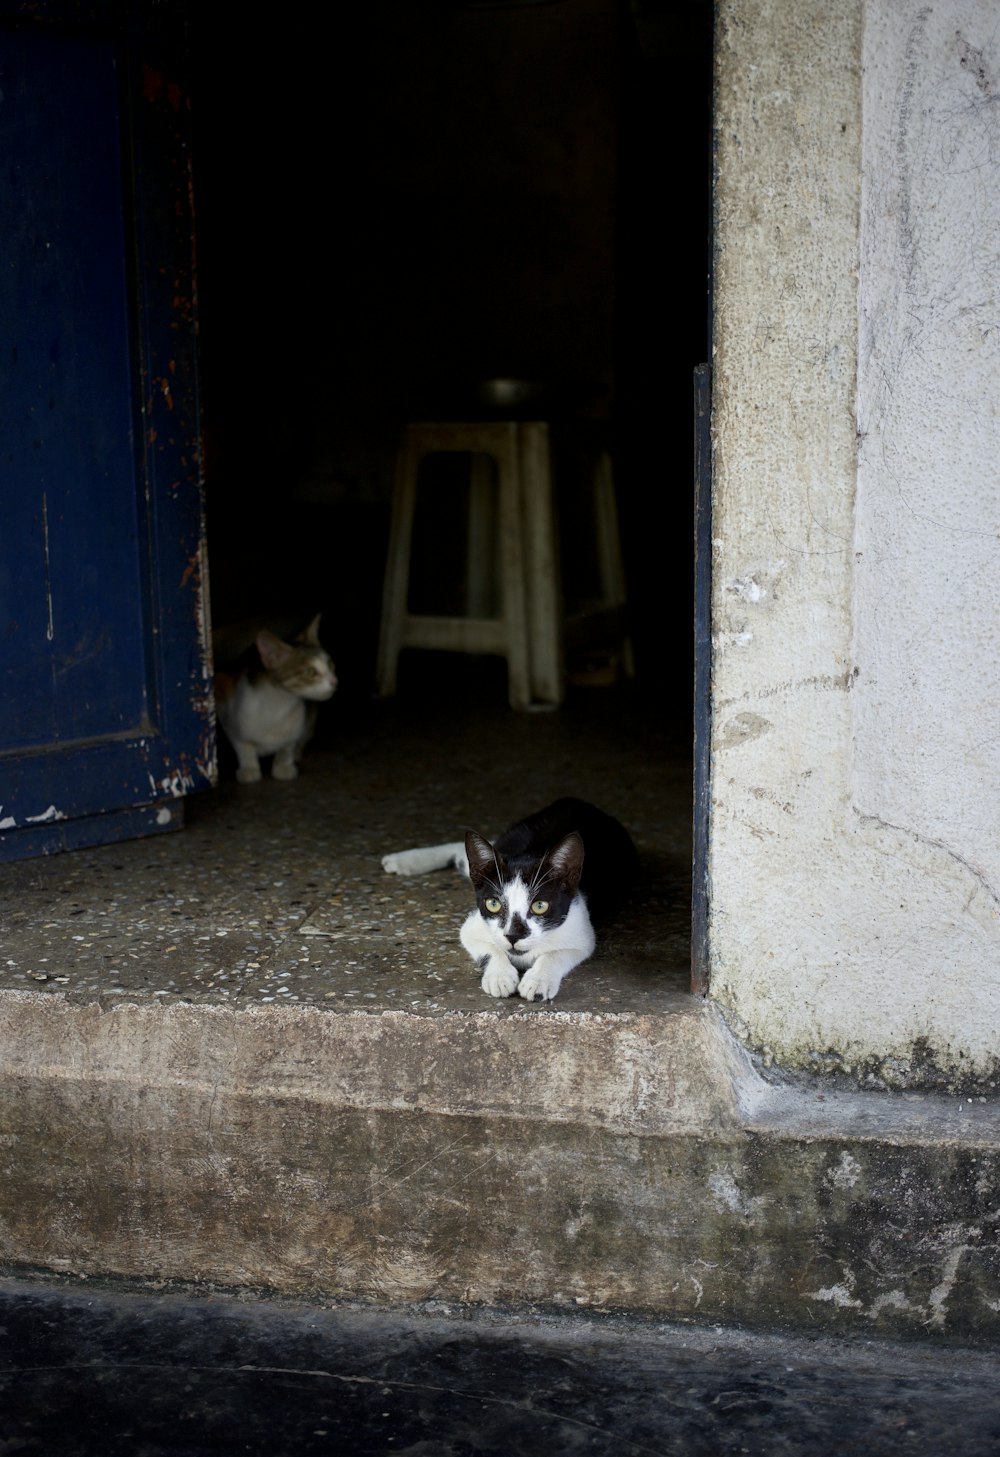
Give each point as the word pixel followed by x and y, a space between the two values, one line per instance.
pixel 702 673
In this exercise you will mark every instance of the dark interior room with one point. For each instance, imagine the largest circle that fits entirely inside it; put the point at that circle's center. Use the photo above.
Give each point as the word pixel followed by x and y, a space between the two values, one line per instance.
pixel 401 202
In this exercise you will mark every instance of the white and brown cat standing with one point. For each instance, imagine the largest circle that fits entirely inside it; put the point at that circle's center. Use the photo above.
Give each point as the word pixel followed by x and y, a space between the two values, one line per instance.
pixel 266 703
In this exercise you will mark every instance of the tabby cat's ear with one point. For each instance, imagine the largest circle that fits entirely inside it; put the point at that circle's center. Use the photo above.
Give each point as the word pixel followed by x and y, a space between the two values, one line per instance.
pixel 273 652
pixel 310 634
pixel 484 863
pixel 566 859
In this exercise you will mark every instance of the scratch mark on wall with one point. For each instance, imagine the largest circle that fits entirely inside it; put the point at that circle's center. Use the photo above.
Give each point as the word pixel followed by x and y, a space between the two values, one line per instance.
pixel 50 629
pixel 977 875
pixel 824 681
pixel 390 1174
pixel 915 45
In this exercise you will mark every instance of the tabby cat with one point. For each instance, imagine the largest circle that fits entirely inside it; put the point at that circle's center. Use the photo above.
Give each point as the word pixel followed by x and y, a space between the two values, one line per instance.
pixel 535 886
pixel 267 704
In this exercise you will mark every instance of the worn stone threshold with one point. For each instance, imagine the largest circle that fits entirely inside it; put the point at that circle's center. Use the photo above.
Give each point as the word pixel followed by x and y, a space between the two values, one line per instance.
pixel 627 1161
pixel 675 1071
pixel 242 1055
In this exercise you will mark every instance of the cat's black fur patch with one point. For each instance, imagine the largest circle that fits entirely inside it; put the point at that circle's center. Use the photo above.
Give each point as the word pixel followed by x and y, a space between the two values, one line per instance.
pixel 610 860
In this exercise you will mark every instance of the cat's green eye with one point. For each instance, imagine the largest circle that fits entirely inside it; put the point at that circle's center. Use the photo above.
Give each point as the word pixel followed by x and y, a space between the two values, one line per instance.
pixel 539 907
pixel 493 905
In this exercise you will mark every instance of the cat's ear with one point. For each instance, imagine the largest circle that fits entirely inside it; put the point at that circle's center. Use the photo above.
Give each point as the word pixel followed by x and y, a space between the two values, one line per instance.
pixel 273 652
pixel 484 863
pixel 566 859
pixel 310 634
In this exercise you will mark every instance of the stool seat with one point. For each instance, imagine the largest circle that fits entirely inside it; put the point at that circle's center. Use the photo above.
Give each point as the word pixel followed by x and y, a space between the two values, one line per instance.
pixel 527 626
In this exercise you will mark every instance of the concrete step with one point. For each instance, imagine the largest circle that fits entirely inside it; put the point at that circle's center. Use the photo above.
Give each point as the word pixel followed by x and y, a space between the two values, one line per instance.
pixel 629 1161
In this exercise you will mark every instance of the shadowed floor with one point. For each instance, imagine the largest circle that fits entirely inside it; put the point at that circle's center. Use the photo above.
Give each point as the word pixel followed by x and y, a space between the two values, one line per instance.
pixel 275 891
pixel 86 1372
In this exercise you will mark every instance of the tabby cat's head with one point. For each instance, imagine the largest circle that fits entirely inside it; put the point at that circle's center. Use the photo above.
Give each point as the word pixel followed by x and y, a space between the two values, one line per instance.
pixel 302 667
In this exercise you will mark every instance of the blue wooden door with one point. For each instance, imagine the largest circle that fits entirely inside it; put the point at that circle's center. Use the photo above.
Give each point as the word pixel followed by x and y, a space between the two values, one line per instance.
pixel 106 719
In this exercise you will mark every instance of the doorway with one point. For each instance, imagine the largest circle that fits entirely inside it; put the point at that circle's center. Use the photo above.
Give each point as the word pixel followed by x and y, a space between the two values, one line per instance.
pixel 440 193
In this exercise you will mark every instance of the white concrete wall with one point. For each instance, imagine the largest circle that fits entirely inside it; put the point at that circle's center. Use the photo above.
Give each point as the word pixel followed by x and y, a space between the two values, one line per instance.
pixel 855 853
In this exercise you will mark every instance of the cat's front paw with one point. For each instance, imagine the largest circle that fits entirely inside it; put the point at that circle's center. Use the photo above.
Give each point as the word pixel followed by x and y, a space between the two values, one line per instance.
pixel 248 776
pixel 499 979
pixel 539 983
pixel 283 771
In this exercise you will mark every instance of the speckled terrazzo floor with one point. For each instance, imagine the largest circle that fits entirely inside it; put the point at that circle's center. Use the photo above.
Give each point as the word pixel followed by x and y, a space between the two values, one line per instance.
pixel 275 892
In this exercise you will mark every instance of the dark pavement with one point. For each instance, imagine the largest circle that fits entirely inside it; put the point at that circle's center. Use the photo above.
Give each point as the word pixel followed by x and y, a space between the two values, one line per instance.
pixel 90 1371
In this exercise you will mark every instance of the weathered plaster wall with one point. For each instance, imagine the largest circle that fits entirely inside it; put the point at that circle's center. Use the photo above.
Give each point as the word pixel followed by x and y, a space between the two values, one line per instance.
pixel 854 832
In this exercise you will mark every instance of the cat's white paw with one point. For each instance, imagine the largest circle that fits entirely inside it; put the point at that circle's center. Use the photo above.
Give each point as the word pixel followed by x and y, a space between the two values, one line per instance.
pixel 499 979
pixel 283 771
pixel 248 776
pixel 395 864
pixel 535 983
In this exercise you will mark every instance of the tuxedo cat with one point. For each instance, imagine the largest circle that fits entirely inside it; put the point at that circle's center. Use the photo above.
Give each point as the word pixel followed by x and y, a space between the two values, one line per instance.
pixel 267 705
pixel 535 886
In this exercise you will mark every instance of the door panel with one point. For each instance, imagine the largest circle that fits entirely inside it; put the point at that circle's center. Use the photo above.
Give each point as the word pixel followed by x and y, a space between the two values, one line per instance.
pixel 105 683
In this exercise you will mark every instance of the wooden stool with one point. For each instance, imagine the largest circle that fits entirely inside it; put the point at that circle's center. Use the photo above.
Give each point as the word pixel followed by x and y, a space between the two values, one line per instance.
pixel 604 621
pixel 522 551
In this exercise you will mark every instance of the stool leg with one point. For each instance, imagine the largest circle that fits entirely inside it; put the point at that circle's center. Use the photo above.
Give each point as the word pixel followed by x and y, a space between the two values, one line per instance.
pixel 481 542
pixel 542 591
pixel 505 633
pixel 396 585
pixel 512 574
pixel 609 548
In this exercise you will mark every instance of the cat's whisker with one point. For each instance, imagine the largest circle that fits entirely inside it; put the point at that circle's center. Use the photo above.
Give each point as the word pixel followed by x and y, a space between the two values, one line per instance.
pixel 537 884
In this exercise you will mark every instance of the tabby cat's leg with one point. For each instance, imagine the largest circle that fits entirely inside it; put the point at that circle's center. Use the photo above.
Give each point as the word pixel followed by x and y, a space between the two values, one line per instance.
pixel 249 770
pixel 284 763
pixel 312 712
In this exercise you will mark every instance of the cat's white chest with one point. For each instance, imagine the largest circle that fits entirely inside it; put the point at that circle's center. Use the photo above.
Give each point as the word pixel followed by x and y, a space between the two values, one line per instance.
pixel 265 715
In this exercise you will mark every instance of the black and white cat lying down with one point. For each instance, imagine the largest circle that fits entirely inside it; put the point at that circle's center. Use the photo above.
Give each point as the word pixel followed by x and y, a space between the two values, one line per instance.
pixel 536 886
